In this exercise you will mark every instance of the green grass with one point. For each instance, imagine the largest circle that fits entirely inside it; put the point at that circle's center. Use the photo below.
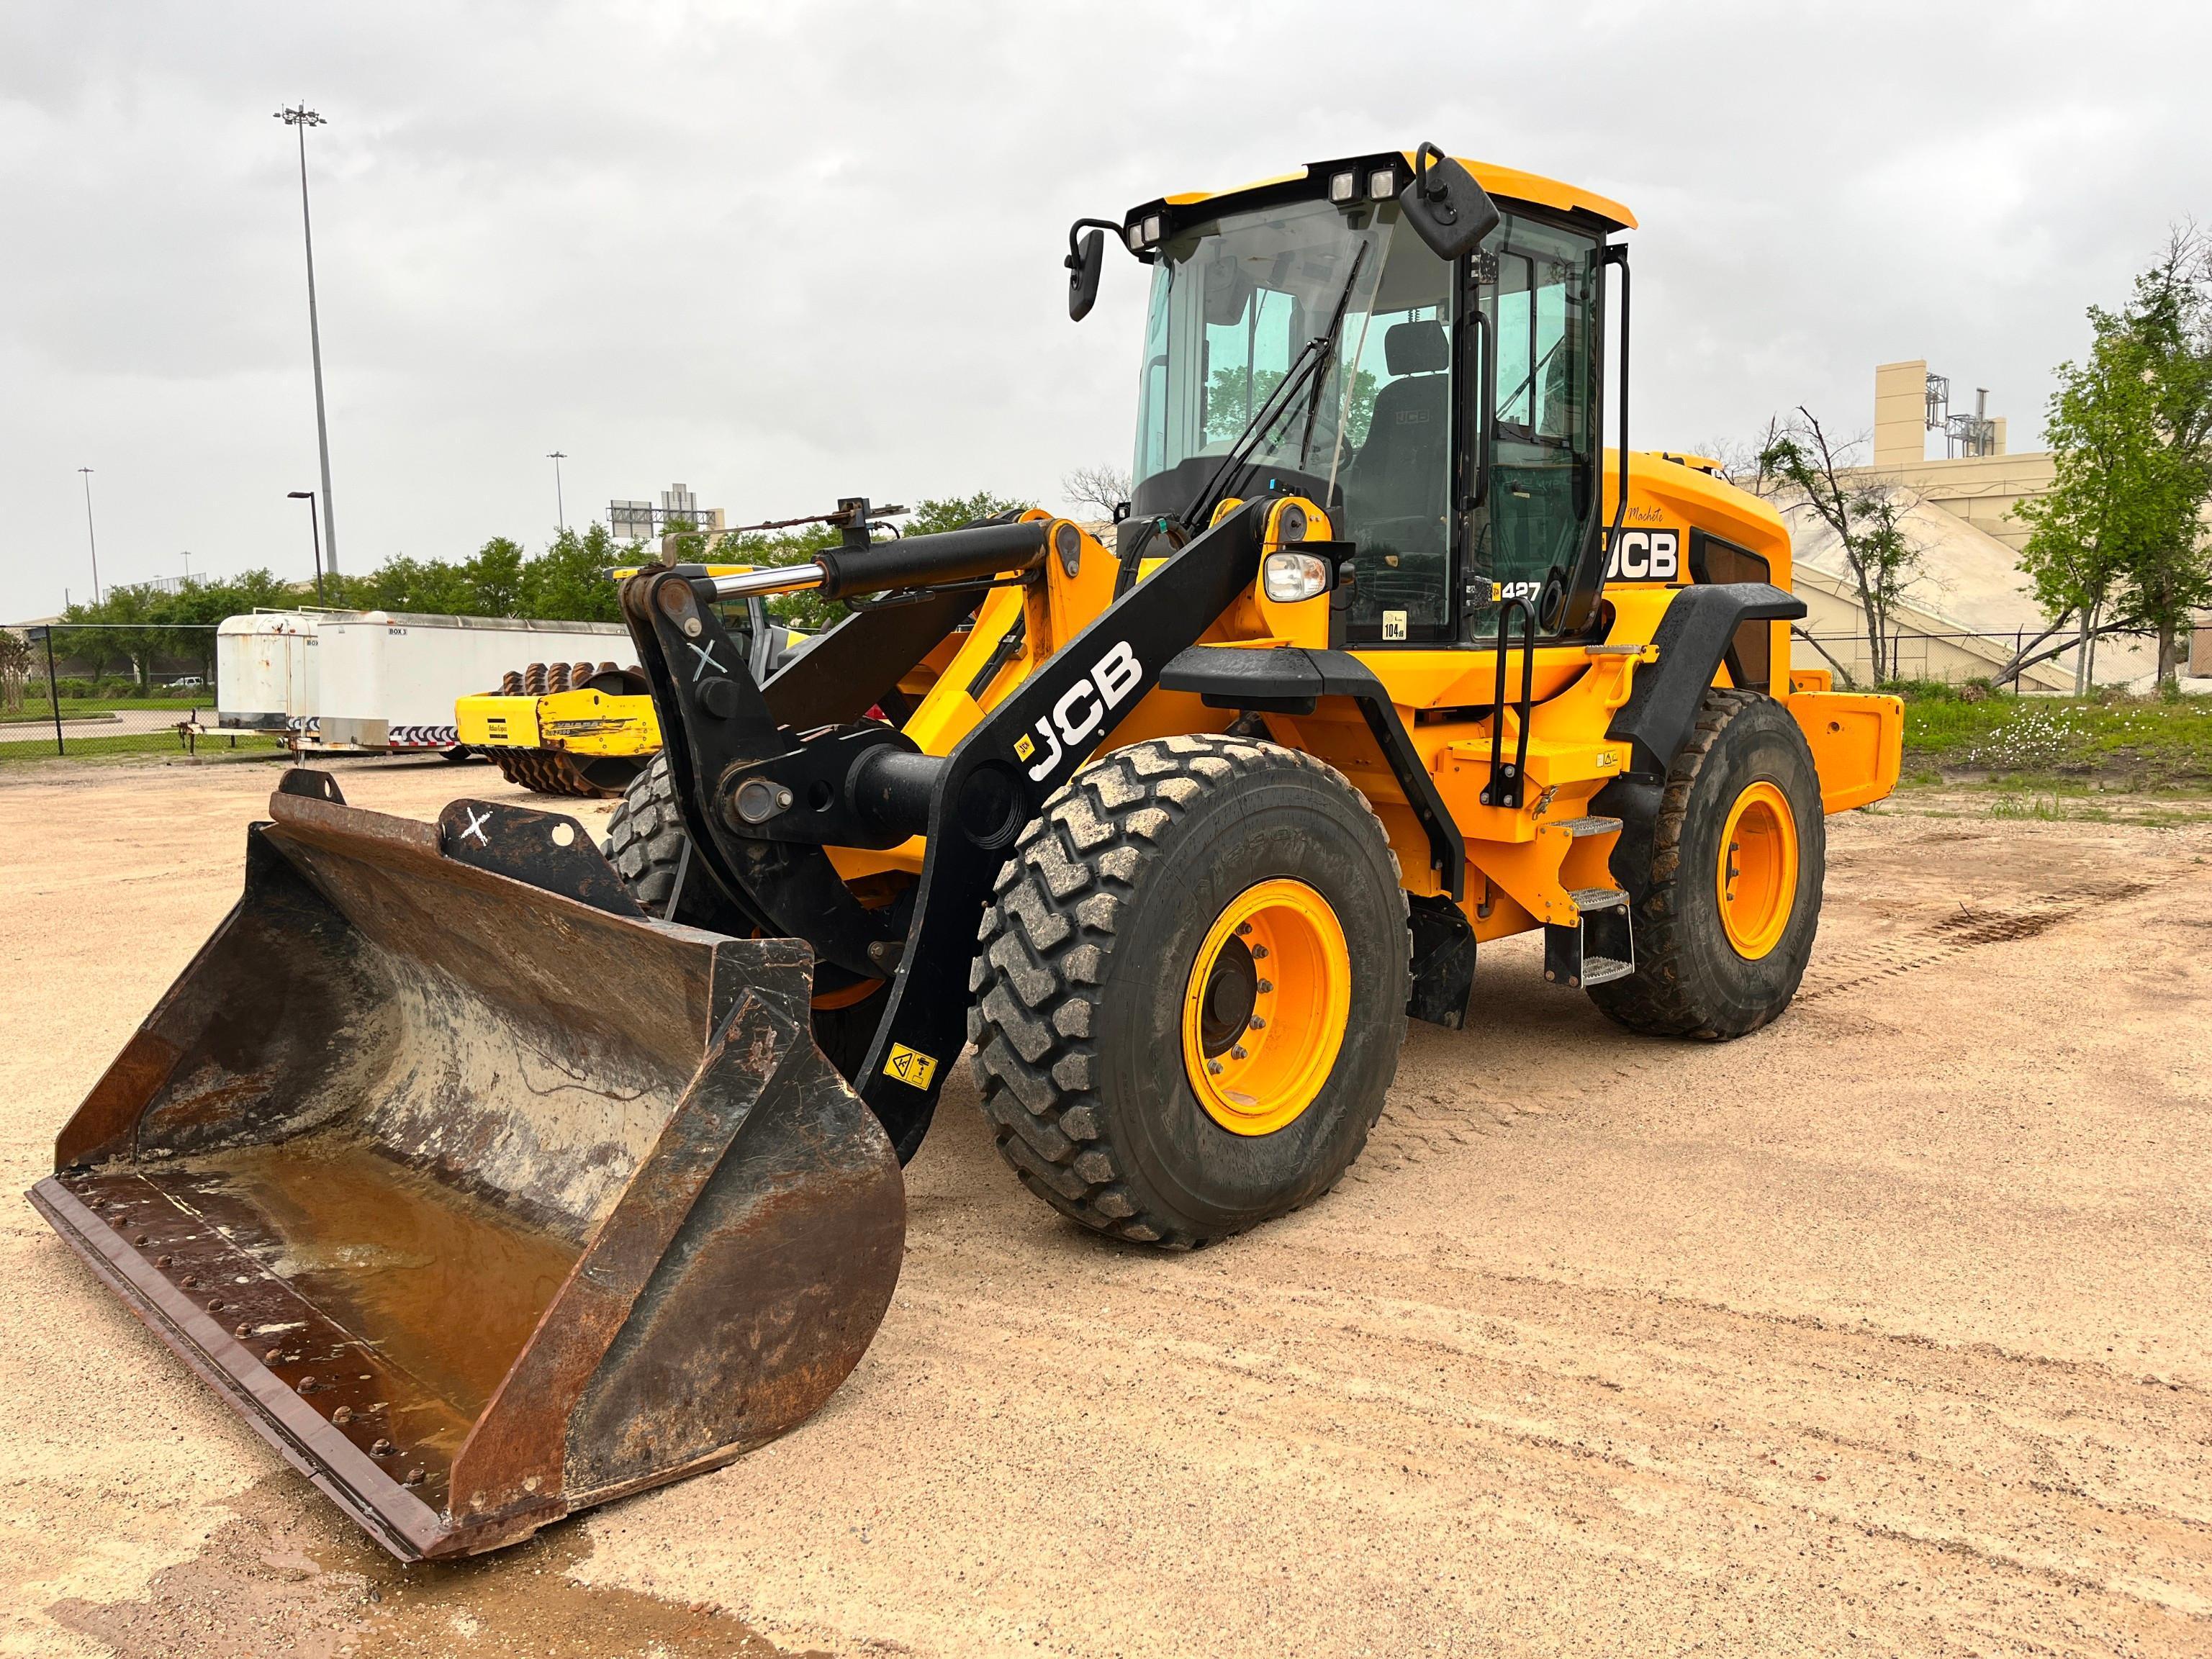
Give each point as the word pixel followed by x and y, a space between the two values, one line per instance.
pixel 41 746
pixel 2059 745
pixel 34 710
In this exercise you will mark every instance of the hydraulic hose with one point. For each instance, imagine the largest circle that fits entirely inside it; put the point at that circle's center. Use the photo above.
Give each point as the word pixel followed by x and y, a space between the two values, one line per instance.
pixel 946 560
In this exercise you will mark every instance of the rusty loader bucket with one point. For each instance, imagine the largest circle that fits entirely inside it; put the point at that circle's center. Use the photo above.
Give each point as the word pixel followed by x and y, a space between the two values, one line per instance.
pixel 482 1196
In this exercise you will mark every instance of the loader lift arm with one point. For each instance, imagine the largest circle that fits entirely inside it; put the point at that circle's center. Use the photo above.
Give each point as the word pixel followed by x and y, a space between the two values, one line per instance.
pixel 737 769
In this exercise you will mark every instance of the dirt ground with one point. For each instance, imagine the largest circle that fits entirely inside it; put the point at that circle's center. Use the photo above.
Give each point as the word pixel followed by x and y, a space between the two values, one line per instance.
pixel 1883 1331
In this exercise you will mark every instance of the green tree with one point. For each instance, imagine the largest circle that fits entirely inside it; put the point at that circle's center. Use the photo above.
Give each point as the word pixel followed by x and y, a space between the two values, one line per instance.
pixel 1881 558
pixel 14 667
pixel 2171 317
pixel 954 512
pixel 495 579
pixel 568 582
pixel 2117 545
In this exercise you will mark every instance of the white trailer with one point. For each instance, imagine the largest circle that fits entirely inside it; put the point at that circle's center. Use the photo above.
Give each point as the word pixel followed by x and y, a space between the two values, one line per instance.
pixel 388 680
pixel 264 670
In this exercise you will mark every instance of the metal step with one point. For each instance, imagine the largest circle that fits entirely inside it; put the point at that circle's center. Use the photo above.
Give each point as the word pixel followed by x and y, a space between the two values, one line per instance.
pixel 1588 826
pixel 1597 945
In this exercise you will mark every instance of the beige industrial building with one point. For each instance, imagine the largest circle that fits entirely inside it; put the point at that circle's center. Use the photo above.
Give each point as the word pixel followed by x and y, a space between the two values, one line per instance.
pixel 1967 606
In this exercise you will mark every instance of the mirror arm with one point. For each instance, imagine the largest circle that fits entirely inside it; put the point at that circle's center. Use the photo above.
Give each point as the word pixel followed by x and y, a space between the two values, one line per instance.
pixel 1074 260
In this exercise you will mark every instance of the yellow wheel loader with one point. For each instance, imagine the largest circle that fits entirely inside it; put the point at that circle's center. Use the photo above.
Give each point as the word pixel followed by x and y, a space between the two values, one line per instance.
pixel 489 1178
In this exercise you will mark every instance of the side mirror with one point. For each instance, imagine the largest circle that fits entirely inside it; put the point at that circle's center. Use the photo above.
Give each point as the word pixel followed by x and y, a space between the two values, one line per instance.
pixel 1086 257
pixel 1446 207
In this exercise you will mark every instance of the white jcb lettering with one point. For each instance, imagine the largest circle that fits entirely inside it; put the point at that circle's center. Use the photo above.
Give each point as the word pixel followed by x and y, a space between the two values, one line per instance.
pixel 1081 710
pixel 1641 556
pixel 1117 674
pixel 1071 731
pixel 1042 769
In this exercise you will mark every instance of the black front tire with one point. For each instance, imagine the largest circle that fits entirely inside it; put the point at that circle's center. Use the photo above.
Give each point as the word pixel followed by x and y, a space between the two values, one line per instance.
pixel 1690 979
pixel 1087 950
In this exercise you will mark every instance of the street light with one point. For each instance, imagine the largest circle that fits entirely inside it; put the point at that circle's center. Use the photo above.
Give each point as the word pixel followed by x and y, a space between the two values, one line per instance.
pixel 92 539
pixel 308 497
pixel 303 118
pixel 559 513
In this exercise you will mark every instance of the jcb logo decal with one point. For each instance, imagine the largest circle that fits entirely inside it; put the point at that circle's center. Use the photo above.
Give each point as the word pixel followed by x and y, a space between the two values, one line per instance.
pixel 1645 555
pixel 1082 709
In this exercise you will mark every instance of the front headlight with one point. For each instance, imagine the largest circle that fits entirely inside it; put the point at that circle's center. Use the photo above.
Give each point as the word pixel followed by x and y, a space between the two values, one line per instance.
pixel 1287 578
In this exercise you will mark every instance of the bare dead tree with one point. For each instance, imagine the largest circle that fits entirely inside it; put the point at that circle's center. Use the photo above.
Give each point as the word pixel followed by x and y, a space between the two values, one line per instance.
pixel 1105 488
pixel 1864 515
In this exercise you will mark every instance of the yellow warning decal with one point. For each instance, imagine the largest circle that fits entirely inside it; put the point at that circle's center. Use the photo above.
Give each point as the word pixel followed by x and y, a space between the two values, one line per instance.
pixel 910 1066
pixel 1023 748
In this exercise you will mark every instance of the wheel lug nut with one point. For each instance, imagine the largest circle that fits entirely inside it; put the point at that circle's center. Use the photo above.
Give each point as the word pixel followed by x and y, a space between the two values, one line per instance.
pixel 1264 985
pixel 1257 1023
pixel 1214 1067
pixel 1259 953
pixel 1242 928
pixel 1237 1053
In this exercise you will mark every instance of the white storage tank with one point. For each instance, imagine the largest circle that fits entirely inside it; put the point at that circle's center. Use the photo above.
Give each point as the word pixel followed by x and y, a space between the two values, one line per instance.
pixel 388 680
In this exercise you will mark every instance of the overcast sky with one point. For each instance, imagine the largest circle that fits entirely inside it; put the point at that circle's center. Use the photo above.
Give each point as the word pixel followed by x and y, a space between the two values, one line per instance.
pixel 783 252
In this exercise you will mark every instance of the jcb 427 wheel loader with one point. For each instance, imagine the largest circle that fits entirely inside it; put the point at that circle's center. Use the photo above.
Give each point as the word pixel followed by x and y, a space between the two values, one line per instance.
pixel 487 1191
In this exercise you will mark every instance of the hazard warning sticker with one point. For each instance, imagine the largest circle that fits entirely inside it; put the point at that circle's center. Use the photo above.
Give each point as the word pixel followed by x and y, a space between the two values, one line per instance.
pixel 910 1066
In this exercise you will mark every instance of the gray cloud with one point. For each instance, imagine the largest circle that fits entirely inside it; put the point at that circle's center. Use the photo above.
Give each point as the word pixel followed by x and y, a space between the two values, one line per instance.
pixel 785 252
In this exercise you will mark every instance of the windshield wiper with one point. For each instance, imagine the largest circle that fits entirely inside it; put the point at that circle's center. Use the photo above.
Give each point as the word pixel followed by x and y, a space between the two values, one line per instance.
pixel 1312 356
pixel 1328 341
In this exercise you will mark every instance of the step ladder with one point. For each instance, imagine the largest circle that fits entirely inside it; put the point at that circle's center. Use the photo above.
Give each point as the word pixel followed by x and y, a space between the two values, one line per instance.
pixel 1595 947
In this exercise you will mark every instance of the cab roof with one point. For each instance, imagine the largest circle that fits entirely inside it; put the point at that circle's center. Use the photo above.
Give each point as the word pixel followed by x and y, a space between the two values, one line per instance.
pixel 1508 184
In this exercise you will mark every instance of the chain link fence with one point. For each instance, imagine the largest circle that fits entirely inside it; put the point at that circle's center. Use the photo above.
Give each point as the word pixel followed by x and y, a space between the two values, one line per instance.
pixel 88 689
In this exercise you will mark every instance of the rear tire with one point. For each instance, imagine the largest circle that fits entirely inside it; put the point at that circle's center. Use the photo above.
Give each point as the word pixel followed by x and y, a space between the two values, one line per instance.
pixel 1090 995
pixel 1708 966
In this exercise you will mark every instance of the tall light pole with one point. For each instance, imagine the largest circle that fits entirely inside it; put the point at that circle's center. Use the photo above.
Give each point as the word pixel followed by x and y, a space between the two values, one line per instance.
pixel 303 118
pixel 187 558
pixel 308 497
pixel 560 511
pixel 91 539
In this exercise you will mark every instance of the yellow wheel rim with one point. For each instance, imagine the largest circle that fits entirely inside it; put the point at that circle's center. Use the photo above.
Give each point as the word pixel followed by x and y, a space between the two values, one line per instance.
pixel 1758 874
pixel 1264 1011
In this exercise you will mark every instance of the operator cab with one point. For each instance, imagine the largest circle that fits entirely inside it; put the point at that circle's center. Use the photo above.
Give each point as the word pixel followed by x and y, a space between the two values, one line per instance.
pixel 1451 429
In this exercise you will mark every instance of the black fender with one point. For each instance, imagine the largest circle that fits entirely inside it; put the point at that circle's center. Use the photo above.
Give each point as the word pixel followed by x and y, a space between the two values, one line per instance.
pixel 1693 638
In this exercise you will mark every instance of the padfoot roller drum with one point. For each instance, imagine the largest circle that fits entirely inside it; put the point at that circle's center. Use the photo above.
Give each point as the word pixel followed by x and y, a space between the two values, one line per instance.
pixel 480 1196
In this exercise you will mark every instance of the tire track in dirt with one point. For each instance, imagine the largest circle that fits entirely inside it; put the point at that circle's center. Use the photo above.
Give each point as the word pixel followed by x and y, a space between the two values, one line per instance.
pixel 1931 944
pixel 2077 1492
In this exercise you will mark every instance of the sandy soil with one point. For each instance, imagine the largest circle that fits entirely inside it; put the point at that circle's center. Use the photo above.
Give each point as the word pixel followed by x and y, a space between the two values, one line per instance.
pixel 1883 1331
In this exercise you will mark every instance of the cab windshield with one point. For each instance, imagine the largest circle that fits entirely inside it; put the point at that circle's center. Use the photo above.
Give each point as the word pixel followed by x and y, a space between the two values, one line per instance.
pixel 1234 302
